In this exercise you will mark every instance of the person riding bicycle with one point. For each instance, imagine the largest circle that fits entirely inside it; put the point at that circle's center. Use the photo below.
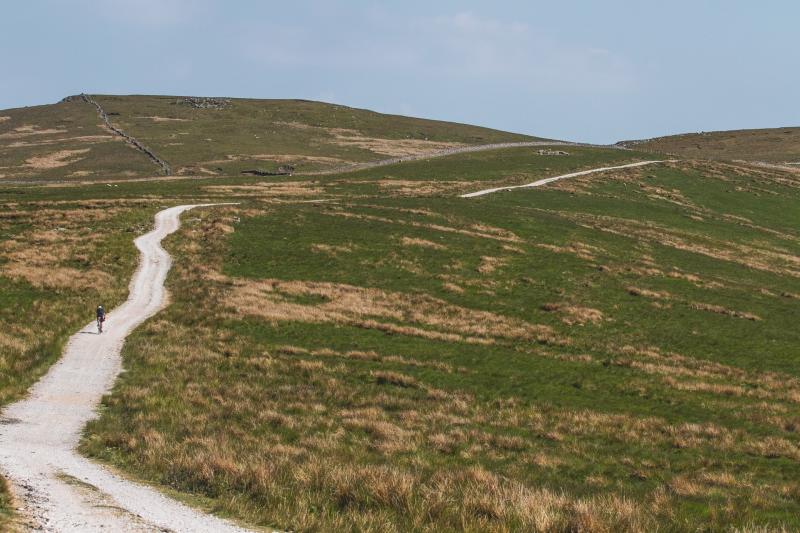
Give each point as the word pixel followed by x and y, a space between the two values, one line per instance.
pixel 101 317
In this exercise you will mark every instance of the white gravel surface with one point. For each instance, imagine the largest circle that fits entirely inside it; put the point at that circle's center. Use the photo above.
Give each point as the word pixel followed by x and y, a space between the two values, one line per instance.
pixel 59 490
pixel 556 178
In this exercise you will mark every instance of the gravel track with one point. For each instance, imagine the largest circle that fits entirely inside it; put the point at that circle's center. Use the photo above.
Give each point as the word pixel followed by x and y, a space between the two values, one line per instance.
pixel 556 178
pixel 59 490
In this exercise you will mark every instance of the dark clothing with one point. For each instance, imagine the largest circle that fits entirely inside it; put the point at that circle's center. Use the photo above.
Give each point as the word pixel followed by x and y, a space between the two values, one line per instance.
pixel 101 313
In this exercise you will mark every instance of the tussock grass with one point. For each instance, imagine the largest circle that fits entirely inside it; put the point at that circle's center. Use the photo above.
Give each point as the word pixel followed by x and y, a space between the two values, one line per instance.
pixel 56 264
pixel 314 372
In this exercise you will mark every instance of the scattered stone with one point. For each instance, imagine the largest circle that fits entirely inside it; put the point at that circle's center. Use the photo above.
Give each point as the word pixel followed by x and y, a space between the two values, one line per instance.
pixel 551 152
pixel 283 170
pixel 198 102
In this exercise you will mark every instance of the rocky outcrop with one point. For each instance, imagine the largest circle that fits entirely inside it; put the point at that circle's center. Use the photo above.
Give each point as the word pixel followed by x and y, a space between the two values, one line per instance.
pixel 165 168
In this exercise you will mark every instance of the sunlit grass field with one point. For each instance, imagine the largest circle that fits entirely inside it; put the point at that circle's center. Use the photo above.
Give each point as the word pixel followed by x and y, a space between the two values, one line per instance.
pixel 368 351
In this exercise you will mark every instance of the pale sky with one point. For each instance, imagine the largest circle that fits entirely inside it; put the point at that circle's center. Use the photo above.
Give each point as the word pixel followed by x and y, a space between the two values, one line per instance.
pixel 579 70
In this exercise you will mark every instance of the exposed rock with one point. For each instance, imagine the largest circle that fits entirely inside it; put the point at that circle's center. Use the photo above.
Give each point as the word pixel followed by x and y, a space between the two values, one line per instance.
pixel 283 170
pixel 199 102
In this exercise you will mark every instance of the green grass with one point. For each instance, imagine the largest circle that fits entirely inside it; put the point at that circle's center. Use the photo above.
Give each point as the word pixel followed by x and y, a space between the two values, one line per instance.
pixel 64 126
pixel 251 127
pixel 775 145
pixel 248 134
pixel 203 376
pixel 367 351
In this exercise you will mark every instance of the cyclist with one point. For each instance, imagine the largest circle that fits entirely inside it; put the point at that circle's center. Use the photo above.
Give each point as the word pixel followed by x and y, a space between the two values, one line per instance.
pixel 101 317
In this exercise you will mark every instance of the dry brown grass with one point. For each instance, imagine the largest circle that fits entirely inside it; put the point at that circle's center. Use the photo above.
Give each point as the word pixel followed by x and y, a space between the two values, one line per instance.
pixel 39 256
pixel 394 453
pixel 489 264
pixel 697 375
pixel 417 188
pixel 452 287
pixel 83 139
pixel 275 300
pixel 576 315
pixel 646 293
pixel 57 159
pixel 389 147
pixel 28 130
pixel 331 249
pixel 581 250
pixel 720 310
pixel 269 189
pixel 394 378
pixel 478 231
pixel 424 243
pixel 762 256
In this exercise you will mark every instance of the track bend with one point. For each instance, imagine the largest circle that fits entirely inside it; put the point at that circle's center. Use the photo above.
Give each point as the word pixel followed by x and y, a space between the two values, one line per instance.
pixel 58 489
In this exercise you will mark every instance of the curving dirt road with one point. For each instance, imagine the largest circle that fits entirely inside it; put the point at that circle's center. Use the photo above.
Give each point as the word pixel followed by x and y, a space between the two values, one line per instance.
pixel 556 178
pixel 58 489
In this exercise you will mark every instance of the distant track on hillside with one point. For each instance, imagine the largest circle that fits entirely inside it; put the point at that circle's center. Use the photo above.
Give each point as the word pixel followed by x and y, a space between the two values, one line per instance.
pixel 59 489
pixel 544 181
pixel 450 151
pixel 345 168
pixel 165 168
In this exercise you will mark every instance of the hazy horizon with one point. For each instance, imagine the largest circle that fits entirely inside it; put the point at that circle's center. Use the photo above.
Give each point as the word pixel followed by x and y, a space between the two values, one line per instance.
pixel 576 70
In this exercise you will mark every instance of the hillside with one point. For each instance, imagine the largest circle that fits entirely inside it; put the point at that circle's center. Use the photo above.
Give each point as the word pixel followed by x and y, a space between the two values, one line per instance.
pixel 370 351
pixel 774 145
pixel 212 136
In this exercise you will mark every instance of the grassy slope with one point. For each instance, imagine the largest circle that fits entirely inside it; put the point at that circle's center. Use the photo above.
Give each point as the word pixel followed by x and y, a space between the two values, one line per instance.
pixel 248 134
pixel 201 140
pixel 41 131
pixel 664 390
pixel 775 145
pixel 678 396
